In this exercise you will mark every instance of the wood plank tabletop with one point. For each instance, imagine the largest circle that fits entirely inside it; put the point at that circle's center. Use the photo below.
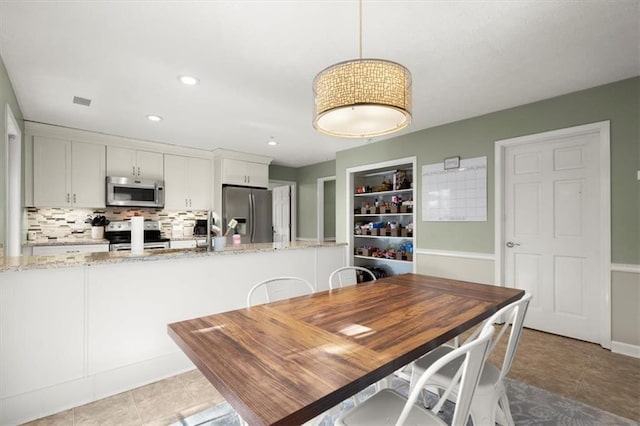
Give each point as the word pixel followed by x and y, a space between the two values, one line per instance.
pixel 286 362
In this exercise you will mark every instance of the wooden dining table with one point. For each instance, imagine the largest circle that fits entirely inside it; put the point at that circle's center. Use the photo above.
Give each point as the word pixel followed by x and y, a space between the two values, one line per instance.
pixel 288 361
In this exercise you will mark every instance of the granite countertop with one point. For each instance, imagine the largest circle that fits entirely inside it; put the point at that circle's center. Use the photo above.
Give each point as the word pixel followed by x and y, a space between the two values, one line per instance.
pixel 21 263
pixel 64 241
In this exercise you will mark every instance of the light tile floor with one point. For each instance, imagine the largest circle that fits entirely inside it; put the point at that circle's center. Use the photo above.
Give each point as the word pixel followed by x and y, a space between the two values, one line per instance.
pixel 582 371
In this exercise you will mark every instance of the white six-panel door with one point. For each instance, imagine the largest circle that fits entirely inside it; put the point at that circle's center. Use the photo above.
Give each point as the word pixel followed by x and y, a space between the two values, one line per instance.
pixel 281 213
pixel 552 240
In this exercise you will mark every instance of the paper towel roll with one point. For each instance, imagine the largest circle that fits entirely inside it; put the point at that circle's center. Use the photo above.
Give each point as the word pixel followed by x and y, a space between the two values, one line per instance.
pixel 137 235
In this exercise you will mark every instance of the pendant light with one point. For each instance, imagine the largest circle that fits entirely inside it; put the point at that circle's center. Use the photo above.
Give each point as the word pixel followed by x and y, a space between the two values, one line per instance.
pixel 362 97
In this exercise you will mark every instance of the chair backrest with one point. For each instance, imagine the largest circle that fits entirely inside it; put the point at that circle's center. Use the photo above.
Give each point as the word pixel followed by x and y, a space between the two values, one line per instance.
pixel 475 353
pixel 513 314
pixel 277 288
pixel 347 275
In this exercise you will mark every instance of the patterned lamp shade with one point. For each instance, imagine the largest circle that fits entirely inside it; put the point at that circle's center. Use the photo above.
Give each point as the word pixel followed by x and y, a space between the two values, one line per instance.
pixel 362 98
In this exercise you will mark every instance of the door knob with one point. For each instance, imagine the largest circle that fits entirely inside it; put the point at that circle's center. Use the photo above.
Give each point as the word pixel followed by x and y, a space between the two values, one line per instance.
pixel 511 244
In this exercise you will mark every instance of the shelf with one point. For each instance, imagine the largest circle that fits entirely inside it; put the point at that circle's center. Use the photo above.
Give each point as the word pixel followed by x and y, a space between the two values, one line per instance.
pixel 382 259
pixel 383 214
pixel 398 191
pixel 382 236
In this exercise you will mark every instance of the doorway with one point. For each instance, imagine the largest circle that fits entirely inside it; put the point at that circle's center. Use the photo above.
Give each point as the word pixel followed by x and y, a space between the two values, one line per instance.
pixel 326 203
pixel 553 228
pixel 284 210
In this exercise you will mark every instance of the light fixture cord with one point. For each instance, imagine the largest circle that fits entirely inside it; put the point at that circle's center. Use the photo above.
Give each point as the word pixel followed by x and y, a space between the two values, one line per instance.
pixel 360 48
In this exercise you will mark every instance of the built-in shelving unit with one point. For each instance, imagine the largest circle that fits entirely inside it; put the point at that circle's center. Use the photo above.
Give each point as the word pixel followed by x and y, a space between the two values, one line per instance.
pixel 382 216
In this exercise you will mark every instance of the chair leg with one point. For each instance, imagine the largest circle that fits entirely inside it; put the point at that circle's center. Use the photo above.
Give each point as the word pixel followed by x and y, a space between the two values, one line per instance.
pixel 503 404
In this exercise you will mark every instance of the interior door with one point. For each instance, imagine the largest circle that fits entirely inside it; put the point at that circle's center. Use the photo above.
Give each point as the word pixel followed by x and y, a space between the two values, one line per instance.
pixel 552 232
pixel 281 213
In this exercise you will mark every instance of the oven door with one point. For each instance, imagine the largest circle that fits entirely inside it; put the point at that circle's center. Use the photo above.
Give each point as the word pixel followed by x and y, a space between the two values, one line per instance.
pixel 127 192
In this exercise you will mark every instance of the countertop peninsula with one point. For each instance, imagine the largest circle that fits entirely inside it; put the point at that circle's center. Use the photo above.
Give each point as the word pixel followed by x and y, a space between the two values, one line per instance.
pixel 21 263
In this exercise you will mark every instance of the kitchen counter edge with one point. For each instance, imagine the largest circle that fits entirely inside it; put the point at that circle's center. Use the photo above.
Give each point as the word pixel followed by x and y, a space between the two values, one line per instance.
pixel 23 263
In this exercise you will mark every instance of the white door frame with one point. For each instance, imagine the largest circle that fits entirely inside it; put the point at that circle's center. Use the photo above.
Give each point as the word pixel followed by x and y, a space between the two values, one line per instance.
pixel 603 129
pixel 294 203
pixel 13 180
pixel 320 205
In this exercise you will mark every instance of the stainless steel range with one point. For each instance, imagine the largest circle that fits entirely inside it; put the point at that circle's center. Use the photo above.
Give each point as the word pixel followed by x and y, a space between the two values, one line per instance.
pixel 118 232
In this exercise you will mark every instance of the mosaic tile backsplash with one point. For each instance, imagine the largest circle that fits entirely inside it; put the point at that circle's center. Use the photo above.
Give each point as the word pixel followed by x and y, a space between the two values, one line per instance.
pixel 63 222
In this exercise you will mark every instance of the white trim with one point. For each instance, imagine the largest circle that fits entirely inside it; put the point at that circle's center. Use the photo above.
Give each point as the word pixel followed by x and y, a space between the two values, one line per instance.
pixel 320 205
pixel 603 129
pixel 625 349
pixel 13 186
pixel 621 267
pixel 459 254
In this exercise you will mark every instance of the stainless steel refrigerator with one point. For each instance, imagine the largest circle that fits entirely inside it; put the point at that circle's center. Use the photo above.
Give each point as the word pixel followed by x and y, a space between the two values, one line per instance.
pixel 251 207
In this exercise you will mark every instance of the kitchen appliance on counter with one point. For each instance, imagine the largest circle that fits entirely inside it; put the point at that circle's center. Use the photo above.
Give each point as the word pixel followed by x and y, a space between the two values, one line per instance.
pixel 251 208
pixel 118 232
pixel 200 229
pixel 129 192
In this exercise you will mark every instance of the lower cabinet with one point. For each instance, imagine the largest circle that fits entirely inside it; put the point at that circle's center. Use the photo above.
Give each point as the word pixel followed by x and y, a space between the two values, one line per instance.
pixel 69 249
pixel 182 244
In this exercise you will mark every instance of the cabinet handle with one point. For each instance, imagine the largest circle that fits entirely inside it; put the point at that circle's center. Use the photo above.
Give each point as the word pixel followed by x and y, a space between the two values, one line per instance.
pixel 134 171
pixel 72 251
pixel 74 198
pixel 186 203
pixel 189 202
pixel 68 198
pixel 138 171
pixel 248 179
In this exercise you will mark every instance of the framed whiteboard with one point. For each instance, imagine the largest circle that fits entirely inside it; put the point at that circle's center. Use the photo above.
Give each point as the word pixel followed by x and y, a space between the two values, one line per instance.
pixel 455 195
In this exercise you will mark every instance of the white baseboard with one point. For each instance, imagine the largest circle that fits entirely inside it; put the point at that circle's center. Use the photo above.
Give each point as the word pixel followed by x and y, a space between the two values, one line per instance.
pixel 625 349
pixel 463 254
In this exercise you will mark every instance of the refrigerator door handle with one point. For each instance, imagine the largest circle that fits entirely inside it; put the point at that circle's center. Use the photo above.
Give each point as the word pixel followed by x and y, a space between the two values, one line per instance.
pixel 252 218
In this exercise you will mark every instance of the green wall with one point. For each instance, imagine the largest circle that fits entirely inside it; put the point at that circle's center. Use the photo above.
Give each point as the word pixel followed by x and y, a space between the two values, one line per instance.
pixel 329 209
pixel 7 97
pixel 308 197
pixel 618 102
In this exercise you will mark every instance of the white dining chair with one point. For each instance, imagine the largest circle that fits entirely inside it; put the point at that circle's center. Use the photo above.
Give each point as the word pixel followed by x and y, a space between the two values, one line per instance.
pixel 388 407
pixel 348 275
pixel 490 402
pixel 277 288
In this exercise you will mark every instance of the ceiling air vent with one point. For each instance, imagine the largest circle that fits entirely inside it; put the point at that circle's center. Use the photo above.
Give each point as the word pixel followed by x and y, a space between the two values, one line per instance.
pixel 81 101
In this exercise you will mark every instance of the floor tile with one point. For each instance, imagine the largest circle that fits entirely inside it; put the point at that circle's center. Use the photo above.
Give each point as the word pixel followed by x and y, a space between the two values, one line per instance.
pixel 64 418
pixel 115 410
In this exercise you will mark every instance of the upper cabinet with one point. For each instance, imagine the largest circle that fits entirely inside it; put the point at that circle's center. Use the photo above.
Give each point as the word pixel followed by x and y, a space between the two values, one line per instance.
pixel 68 173
pixel 128 162
pixel 245 173
pixel 187 183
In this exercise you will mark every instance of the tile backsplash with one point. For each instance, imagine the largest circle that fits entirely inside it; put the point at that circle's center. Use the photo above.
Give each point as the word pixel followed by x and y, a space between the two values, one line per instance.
pixel 65 222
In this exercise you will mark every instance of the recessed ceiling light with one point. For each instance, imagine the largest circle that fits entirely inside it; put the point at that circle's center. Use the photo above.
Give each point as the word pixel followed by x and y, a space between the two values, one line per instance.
pixel 154 118
pixel 272 142
pixel 189 80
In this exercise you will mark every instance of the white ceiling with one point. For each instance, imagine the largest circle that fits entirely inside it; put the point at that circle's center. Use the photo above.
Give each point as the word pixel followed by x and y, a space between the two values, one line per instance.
pixel 256 61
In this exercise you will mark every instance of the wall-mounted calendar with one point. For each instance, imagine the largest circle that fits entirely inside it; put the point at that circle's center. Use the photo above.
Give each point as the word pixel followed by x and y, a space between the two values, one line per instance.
pixel 458 194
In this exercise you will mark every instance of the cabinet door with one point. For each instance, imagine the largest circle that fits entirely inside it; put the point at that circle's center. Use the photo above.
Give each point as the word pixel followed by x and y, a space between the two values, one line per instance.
pixel 150 165
pixel 198 185
pixel 121 161
pixel 257 174
pixel 234 172
pixel 51 165
pixel 175 196
pixel 87 174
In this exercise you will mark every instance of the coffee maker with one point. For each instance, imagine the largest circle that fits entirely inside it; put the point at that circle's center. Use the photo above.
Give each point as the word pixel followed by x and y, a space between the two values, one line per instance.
pixel 201 227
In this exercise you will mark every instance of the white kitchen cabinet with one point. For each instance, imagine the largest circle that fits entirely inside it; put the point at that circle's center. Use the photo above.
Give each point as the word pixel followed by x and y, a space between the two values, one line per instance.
pixel 187 183
pixel 69 249
pixel 246 173
pixel 134 163
pixel 68 173
pixel 182 244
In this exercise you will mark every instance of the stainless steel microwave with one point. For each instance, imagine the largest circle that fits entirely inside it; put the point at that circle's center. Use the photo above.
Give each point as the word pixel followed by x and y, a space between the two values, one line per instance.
pixel 130 192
